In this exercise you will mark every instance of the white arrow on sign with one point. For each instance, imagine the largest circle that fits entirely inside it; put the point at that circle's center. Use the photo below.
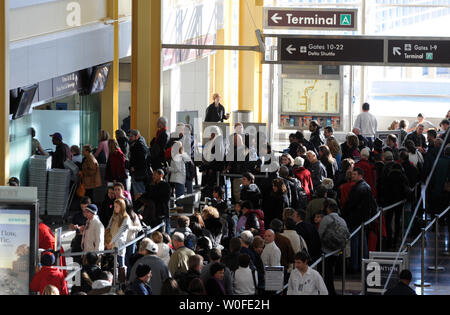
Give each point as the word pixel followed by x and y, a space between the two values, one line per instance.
pixel 290 49
pixel 397 51
pixel 275 18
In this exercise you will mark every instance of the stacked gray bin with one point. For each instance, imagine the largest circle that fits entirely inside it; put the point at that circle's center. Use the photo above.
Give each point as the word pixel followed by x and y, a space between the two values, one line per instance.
pixel 39 166
pixel 58 192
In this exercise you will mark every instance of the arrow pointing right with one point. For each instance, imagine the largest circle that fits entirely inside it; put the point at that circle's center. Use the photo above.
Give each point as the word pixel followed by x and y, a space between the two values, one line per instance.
pixel 397 51
pixel 290 49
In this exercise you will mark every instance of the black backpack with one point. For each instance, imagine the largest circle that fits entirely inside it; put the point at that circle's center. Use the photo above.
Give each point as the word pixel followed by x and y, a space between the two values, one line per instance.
pixel 335 236
pixel 299 196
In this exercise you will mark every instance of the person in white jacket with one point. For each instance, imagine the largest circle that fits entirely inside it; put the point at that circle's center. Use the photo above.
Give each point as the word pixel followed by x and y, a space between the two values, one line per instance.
pixel 245 280
pixel 94 231
pixel 133 230
pixel 305 280
pixel 164 250
pixel 271 255
pixel 118 230
pixel 177 168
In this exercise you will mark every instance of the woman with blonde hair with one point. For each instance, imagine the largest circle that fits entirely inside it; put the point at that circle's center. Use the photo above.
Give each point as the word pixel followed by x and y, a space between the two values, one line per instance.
pixel 117 230
pixel 395 125
pixel 328 161
pixel 115 167
pixel 288 161
pixel 50 290
pixel 102 147
pixel 335 149
pixel 163 248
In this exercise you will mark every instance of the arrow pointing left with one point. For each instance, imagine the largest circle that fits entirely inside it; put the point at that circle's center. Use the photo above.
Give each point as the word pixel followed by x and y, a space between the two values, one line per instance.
pixel 275 18
pixel 290 49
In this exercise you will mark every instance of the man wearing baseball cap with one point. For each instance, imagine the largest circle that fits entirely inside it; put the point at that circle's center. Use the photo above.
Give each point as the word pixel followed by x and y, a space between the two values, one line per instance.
pixel 159 268
pixel 62 152
pixel 94 231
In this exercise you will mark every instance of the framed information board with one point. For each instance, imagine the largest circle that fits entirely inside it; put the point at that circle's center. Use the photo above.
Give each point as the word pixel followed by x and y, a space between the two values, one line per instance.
pixel 18 248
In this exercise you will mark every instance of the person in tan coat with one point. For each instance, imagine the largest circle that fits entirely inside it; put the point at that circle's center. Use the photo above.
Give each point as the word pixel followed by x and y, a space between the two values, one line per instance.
pixel 90 171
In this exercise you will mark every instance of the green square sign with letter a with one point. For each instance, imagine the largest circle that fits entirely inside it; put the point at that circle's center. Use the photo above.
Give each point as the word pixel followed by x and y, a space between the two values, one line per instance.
pixel 346 19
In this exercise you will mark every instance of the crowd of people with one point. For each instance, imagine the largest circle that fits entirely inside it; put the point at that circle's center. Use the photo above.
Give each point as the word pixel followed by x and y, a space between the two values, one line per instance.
pixel 318 194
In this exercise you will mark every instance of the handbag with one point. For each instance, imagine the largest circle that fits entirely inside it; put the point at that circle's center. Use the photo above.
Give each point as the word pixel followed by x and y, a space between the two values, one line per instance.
pixel 81 190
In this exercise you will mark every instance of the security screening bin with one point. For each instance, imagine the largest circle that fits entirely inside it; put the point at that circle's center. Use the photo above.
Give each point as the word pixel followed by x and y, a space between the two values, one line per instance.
pixel 242 116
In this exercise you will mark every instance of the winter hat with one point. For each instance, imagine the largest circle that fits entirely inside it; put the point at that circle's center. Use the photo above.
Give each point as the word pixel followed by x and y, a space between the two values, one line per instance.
pixel 152 247
pixel 142 270
pixel 299 161
pixel 92 209
pixel 47 259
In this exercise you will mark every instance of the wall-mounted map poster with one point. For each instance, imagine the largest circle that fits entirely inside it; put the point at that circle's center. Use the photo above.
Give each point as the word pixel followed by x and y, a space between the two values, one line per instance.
pixel 311 96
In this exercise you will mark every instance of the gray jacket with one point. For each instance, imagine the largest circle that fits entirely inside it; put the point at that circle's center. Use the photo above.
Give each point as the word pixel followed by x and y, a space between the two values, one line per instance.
pixel 326 221
pixel 160 272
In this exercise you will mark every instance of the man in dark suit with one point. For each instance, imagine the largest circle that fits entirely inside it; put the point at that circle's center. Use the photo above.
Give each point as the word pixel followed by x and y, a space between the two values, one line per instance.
pixel 402 288
pixel 216 112
pixel 156 200
pixel 309 234
pixel 359 208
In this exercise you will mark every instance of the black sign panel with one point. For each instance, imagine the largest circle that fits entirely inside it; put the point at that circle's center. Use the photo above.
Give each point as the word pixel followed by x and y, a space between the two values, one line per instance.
pixel 66 84
pixel 419 51
pixel 332 50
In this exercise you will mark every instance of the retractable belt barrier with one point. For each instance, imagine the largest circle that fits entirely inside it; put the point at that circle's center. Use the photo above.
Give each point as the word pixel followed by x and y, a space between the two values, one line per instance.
pixel 115 252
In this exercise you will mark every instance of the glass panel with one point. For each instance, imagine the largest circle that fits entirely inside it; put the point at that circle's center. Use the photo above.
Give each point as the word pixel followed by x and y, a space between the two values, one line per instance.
pixel 90 118
pixel 20 148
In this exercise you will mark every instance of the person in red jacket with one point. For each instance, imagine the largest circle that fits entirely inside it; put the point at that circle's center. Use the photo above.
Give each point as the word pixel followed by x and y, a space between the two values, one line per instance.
pixel 370 172
pixel 49 275
pixel 304 176
pixel 47 241
pixel 115 166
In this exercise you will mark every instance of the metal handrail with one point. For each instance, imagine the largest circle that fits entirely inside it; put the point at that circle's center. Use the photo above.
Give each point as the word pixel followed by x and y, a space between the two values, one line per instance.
pixel 147 232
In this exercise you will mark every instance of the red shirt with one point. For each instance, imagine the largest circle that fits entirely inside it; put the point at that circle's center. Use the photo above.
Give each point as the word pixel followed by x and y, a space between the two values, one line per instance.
pixel 304 176
pixel 345 191
pixel 46 276
pixel 370 174
pixel 47 241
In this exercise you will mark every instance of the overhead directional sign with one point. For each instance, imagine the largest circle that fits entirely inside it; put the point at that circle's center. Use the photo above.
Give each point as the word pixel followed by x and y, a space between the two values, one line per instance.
pixel 407 51
pixel 332 50
pixel 363 50
pixel 311 19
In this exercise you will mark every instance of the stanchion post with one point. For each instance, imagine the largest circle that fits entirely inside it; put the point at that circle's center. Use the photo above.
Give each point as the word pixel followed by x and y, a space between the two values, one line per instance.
pixel 403 221
pixel 408 251
pixel 381 230
pixel 362 241
pixel 422 265
pixel 436 268
pixel 323 266
pixel 344 261
pixel 116 254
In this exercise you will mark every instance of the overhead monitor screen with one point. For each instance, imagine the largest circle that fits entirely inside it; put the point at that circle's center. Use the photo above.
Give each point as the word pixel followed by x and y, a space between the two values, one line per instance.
pixel 100 77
